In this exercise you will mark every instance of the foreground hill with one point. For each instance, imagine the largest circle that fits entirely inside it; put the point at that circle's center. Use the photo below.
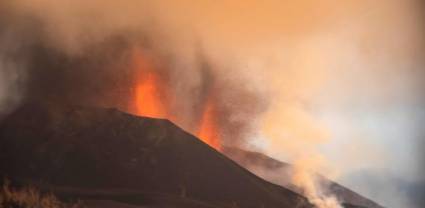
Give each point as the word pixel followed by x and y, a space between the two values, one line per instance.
pixel 109 158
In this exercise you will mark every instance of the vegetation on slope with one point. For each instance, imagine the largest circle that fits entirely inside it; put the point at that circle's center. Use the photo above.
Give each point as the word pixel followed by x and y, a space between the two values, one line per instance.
pixel 30 197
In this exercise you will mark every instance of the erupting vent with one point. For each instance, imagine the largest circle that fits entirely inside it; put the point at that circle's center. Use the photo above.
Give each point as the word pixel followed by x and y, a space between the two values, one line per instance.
pixel 150 100
pixel 208 130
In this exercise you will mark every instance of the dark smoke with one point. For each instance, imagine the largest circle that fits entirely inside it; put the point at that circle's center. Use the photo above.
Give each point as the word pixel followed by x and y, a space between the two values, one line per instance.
pixel 314 58
pixel 101 74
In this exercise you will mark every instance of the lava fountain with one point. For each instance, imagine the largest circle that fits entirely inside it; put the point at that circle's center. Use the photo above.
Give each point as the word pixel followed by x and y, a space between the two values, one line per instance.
pixel 150 99
pixel 147 97
pixel 208 129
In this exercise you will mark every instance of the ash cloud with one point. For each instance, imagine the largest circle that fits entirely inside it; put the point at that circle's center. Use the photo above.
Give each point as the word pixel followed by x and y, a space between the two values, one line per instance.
pixel 82 54
pixel 288 76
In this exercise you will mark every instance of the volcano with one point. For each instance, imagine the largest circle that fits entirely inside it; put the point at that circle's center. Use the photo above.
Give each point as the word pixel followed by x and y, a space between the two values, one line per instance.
pixel 109 158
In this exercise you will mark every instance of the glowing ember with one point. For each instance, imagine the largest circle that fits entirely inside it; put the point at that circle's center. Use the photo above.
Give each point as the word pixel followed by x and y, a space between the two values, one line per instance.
pixel 208 131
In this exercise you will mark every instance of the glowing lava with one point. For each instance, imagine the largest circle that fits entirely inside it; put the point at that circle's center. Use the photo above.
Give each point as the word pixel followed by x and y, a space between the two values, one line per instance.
pixel 148 90
pixel 208 131
pixel 148 102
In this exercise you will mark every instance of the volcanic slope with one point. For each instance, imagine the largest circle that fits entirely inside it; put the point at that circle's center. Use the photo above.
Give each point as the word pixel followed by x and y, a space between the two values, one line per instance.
pixel 279 172
pixel 104 155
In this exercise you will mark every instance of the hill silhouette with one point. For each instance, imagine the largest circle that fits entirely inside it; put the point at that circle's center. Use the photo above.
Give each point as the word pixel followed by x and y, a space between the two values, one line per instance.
pixel 108 156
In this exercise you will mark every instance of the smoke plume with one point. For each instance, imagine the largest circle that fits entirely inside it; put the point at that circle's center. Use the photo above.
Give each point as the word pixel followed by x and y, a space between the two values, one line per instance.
pixel 274 72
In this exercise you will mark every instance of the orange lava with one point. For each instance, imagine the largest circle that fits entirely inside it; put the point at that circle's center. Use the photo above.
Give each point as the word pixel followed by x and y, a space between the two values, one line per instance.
pixel 148 97
pixel 148 91
pixel 150 100
pixel 208 131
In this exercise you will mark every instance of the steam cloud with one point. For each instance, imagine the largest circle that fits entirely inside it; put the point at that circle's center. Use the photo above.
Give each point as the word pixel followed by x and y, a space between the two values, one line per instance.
pixel 270 64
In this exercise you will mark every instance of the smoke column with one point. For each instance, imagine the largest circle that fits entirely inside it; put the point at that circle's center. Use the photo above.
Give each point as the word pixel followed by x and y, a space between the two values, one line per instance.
pixel 280 73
